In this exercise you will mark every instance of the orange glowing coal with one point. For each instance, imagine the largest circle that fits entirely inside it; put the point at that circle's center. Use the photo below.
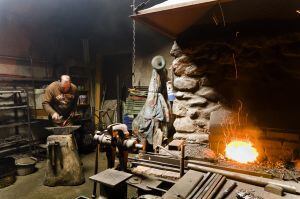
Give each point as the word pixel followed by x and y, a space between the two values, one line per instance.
pixel 241 151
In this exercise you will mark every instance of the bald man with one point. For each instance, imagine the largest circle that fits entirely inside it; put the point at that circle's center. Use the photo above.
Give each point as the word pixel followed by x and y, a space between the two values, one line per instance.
pixel 60 99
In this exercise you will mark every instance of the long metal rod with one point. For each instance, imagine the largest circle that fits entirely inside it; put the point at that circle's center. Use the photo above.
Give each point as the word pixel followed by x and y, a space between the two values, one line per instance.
pixel 182 160
pixel 207 193
pixel 95 172
pixel 195 190
pixel 156 166
pixel 252 173
pixel 217 189
pixel 258 181
pixel 31 137
pixel 153 162
pixel 207 183
pixel 118 100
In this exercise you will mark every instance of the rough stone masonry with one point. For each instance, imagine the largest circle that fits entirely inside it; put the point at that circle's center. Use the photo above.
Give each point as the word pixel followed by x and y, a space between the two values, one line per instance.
pixel 257 67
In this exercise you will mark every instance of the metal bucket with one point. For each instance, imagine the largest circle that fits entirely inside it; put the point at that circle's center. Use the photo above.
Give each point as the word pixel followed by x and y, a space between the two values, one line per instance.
pixel 7 171
pixel 26 166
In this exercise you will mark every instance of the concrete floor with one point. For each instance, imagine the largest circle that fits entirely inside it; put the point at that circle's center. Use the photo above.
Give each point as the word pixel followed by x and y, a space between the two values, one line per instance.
pixel 31 186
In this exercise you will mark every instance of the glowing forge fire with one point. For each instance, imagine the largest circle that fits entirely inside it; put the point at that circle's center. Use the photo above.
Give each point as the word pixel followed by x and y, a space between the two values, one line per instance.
pixel 241 151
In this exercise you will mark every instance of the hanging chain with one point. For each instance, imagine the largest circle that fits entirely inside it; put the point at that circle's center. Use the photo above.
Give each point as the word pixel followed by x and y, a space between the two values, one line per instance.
pixel 133 41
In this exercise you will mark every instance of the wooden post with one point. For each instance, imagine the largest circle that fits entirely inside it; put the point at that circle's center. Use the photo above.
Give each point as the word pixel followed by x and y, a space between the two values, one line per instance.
pixel 97 93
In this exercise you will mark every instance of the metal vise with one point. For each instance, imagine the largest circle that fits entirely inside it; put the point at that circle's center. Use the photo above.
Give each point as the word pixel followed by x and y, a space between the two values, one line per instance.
pixel 116 136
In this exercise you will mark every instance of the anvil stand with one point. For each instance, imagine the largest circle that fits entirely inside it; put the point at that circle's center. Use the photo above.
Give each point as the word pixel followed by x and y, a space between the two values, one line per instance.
pixel 117 185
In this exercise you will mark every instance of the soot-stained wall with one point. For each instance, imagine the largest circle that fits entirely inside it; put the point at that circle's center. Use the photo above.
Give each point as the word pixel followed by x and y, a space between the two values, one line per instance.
pixel 254 64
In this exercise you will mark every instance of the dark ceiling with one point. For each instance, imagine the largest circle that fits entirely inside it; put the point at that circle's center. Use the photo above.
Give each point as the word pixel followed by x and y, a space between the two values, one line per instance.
pixel 59 25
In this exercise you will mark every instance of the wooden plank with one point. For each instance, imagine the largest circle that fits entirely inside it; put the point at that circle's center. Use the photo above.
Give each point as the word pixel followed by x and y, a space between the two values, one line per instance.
pixel 97 93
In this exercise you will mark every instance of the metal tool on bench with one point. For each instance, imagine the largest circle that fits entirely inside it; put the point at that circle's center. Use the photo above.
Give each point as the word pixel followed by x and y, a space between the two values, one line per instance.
pixel 116 136
pixel 112 184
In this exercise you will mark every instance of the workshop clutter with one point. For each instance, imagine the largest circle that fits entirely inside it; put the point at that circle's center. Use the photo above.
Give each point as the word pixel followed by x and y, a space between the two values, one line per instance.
pixel 134 104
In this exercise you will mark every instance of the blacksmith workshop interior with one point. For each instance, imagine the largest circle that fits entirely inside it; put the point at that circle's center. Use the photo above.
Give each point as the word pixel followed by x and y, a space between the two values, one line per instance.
pixel 149 99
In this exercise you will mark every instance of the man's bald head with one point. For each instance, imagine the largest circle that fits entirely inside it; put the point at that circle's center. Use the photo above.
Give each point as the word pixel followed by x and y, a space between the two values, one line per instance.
pixel 65 81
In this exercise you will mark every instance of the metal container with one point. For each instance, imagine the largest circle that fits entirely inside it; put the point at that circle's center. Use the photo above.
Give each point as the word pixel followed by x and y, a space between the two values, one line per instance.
pixel 7 171
pixel 26 166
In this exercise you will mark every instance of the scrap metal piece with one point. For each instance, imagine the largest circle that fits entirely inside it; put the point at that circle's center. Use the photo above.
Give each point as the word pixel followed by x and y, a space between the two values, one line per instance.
pixel 246 194
pixel 274 189
pixel 111 177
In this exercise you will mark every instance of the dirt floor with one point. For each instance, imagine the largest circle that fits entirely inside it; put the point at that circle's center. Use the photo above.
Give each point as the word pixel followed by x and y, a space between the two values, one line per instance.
pixel 31 186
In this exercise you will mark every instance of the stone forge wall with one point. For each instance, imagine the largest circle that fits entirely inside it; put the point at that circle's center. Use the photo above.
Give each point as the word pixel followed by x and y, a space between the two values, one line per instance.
pixel 195 95
pixel 259 71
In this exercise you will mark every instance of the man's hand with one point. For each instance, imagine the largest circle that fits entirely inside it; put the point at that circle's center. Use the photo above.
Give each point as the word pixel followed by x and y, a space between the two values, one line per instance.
pixel 72 114
pixel 56 116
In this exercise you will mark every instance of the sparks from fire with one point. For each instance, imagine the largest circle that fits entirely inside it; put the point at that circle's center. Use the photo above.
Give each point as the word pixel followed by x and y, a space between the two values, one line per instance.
pixel 237 149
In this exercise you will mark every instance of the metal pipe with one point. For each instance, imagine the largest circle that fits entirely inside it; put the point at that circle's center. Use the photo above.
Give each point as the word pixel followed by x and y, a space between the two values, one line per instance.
pixel 212 165
pixel 217 188
pixel 210 189
pixel 95 172
pixel 258 181
pixel 207 183
pixel 118 100
pixel 195 190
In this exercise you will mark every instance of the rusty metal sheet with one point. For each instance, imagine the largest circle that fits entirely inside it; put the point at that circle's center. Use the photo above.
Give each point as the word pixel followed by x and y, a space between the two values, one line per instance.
pixel 185 185
pixel 111 177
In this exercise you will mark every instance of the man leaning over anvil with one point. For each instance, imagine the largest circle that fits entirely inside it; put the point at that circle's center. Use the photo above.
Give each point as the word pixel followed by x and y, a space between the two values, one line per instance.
pixel 60 101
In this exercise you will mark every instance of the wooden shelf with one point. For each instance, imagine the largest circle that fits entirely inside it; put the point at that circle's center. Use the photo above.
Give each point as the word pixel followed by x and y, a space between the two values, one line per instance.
pixel 9 125
pixel 11 79
pixel 11 92
pixel 13 107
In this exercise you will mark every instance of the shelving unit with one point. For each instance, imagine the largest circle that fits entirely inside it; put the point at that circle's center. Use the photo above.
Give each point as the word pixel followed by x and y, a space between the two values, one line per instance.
pixel 81 77
pixel 15 101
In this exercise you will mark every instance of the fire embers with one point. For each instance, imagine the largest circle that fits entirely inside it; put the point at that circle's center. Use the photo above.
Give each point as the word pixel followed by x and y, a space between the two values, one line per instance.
pixel 241 151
